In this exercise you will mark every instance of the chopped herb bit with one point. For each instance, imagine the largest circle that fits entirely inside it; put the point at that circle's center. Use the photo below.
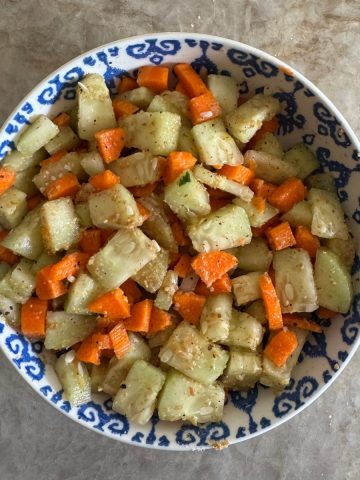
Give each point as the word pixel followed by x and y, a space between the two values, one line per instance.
pixel 184 179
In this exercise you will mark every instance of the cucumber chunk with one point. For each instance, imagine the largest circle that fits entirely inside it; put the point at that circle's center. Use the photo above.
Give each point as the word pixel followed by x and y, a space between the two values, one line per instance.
pixel 246 288
pixel 82 211
pixel 92 163
pixel 323 181
pixel 270 168
pixel 10 312
pixel 151 276
pixel 174 102
pixel 243 370
pixel 254 257
pixel 188 351
pixel 24 181
pixel 141 97
pixel 13 208
pixel 83 291
pixel 225 90
pixel 269 144
pixel 328 216
pixel 74 378
pixel 257 218
pixel 36 135
pixel 19 162
pixel 137 395
pixel 333 282
pixel 140 168
pixel 186 142
pixel 64 330
pixel 299 214
pixel 345 249
pixel 66 139
pixel 97 377
pixel 303 158
pixel 44 260
pixel 169 286
pixel 257 310
pixel 245 331
pixel 215 317
pixel 185 399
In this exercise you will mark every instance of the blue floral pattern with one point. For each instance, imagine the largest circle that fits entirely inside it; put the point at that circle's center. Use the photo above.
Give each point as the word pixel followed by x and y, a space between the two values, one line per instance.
pixel 304 117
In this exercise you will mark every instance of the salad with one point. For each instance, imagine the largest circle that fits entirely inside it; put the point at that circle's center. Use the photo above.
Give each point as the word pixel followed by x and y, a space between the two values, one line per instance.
pixel 165 247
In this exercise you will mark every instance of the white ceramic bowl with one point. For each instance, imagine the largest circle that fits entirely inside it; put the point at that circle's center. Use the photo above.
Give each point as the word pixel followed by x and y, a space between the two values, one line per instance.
pixel 308 116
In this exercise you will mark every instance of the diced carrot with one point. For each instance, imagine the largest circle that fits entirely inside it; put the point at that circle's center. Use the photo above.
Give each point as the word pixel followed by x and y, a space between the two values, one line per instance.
pixel 203 108
pixel 126 84
pixel 183 266
pixel 62 120
pixel 218 194
pixel 287 71
pixel 217 166
pixel 34 201
pixel 123 108
pixel 144 212
pixel 269 126
pixel 301 322
pixel 65 186
pixel 189 305
pixel 238 173
pixel 325 313
pixel 110 142
pixel 286 195
pixel 179 88
pixel 7 179
pixel 271 302
pixel 68 266
pixel 53 159
pixel 112 304
pixel 104 180
pixel 216 203
pixel 120 340
pixel 191 82
pixel 131 290
pixel 261 188
pixel 106 323
pixel 259 203
pixel 179 234
pixel 222 285
pixel 91 241
pixel 174 258
pixel 47 289
pixel 7 255
pixel 139 320
pixel 176 164
pixel 89 351
pixel 213 265
pixel 143 191
pixel 281 236
pixel 260 231
pixel 306 240
pixel 33 318
pixel 106 235
pixel 280 347
pixel 155 78
pixel 159 320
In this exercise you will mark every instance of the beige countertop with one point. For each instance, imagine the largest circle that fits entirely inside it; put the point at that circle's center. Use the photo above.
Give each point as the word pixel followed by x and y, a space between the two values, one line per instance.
pixel 319 38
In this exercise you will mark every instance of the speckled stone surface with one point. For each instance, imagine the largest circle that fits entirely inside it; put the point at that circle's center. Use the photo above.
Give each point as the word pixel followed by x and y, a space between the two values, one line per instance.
pixel 319 38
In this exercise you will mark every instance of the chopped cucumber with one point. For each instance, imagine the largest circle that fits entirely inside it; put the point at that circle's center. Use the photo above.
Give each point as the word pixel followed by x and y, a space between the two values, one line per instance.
pixel 21 281
pixel 140 168
pixel 24 181
pixel 246 288
pixel 83 291
pixel 44 260
pixel 92 163
pixel 297 292
pixel 185 399
pixel 13 208
pixel 156 340
pixel 141 97
pixel 243 370
pixel 226 228
pixel 186 142
pixel 174 102
pixel 345 249
pixel 257 310
pixel 257 218
pixel 151 276
pixel 169 286
pixel 299 214
pixel 270 144
pixel 328 216
pixel 225 90
pixel 270 168
pixel 333 282
pixel 10 312
pixel 245 331
pixel 64 330
pixel 19 162
pixel 97 377
pixel 137 395
pixel 215 317
pixel 323 181
pixel 303 158
pixel 82 211
pixel 36 135
pixel 188 351
pixel 66 139
pixel 74 378
pixel 254 257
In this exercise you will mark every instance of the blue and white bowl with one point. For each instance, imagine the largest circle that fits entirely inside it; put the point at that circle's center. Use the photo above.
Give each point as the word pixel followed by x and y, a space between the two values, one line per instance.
pixel 308 116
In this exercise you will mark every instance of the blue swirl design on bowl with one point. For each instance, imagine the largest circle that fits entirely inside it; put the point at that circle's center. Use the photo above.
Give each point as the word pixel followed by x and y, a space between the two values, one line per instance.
pixel 289 120
pixel 315 347
pixel 22 356
pixel 93 414
pixel 329 125
pixel 350 328
pixel 253 65
pixel 204 61
pixel 61 86
pixel 294 395
pixel 153 50
pixel 202 436
pixel 245 401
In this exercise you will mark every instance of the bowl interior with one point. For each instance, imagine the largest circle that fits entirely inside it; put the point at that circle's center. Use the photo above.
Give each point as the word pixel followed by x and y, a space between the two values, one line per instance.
pixel 307 116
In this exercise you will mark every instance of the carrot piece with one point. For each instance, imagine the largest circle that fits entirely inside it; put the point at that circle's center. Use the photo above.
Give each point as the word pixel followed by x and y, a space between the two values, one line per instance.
pixel 222 285
pixel 89 351
pixel 269 126
pixel 261 188
pixel 47 289
pixel 120 340
pixel 112 304
pixel 216 203
pixel 301 322
pixel 280 347
pixel 174 258
pixel 259 203
pixel 106 323
pixel 132 291
pixel 123 108
pixel 34 201
pixel 261 231
pixel 271 302
pixel 144 212
pixel 281 236
pixel 179 234
pixel 139 320
pixel 106 234
pixel 203 108
pixel 68 266
pixel 286 195
pixel 155 78
pixel 179 88
pixel 189 305
pixel 33 317
pixel 91 241
pixel 104 180
pixel 7 179
pixel 325 313
pixel 53 159
pixel 62 120
pixel 159 320
pixel 287 71
pixel 238 173
pixel 126 84
pixel 65 186
pixel 143 191
pixel 191 82
pixel 110 142
pixel 176 164
pixel 183 265
pixel 7 255
pixel 306 240
pixel 213 265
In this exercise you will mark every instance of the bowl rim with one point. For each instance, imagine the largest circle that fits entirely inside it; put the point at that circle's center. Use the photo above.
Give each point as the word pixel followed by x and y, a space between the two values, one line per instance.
pixel 354 140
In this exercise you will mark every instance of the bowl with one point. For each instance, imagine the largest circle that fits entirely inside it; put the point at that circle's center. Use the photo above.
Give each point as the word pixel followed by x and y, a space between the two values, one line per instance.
pixel 307 116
